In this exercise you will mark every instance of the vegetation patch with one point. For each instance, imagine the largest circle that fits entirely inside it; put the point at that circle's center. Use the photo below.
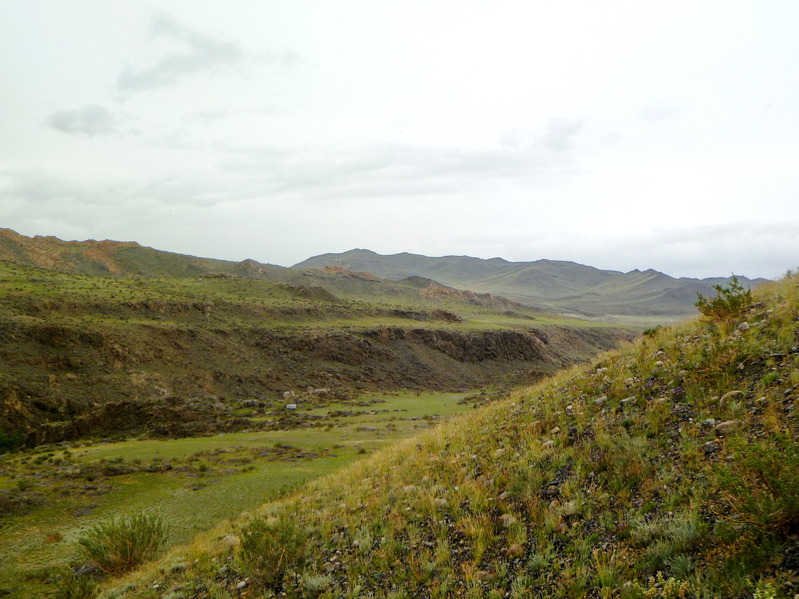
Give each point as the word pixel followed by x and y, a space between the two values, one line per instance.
pixel 120 545
pixel 667 469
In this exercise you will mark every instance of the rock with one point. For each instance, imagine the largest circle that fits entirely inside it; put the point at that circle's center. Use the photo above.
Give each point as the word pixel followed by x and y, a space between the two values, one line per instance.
pixel 601 371
pixel 724 428
pixel 601 400
pixel 231 541
pixel 627 401
pixel 291 406
pixel 410 488
pixel 440 502
pixel 508 520
pixel 241 584
pixel 709 422
pixel 548 445
pixel 555 430
pixel 682 374
pixel 744 326
pixel 516 550
pixel 730 396
pixel 86 570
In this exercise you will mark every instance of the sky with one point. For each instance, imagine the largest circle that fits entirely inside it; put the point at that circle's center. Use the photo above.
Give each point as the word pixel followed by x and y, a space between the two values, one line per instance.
pixel 622 135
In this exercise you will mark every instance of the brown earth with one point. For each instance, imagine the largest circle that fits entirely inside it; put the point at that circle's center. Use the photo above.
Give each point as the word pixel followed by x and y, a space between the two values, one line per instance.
pixel 64 382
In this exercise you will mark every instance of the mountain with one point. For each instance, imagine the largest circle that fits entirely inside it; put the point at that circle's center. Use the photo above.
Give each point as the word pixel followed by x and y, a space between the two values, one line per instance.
pixel 559 286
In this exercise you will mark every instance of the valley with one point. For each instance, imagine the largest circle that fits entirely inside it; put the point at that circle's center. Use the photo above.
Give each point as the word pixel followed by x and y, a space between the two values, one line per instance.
pixel 392 437
pixel 206 395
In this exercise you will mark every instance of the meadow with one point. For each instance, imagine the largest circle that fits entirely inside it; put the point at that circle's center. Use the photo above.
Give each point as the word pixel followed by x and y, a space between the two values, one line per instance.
pixel 53 494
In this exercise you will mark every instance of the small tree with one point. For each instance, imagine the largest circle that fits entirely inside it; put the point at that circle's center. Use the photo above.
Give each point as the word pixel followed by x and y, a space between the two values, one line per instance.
pixel 731 302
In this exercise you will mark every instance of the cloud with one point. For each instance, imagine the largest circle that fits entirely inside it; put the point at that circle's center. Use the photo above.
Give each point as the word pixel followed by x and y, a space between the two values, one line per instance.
pixel 560 133
pixel 200 52
pixel 90 121
pixel 395 170
pixel 661 113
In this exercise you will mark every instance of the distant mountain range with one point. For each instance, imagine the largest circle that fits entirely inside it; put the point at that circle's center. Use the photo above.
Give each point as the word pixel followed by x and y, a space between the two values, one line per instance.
pixel 564 287
pixel 556 286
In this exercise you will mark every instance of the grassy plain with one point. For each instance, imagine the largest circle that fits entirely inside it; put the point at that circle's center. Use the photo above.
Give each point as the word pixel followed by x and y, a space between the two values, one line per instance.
pixel 194 483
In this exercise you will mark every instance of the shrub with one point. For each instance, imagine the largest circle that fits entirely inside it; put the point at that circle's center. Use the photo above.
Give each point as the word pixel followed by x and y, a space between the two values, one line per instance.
pixel 120 545
pixel 71 586
pixel 270 548
pixel 10 441
pixel 730 303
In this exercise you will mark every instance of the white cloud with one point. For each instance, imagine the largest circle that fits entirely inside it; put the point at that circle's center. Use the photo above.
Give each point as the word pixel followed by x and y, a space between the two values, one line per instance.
pixel 89 121
pixel 197 52
pixel 633 136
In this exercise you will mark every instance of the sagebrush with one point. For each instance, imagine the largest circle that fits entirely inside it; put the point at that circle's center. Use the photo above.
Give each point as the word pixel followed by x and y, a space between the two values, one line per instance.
pixel 122 544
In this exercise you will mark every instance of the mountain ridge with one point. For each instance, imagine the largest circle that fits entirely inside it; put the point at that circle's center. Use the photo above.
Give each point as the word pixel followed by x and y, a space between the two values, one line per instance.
pixel 557 285
pixel 641 297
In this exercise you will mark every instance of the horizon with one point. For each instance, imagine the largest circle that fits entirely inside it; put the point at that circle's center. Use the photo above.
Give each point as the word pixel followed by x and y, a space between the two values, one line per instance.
pixel 358 249
pixel 628 137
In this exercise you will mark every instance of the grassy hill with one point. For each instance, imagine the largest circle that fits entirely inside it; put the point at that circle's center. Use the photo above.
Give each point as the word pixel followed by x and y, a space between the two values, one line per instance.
pixel 564 287
pixel 131 377
pixel 641 298
pixel 85 355
pixel 665 469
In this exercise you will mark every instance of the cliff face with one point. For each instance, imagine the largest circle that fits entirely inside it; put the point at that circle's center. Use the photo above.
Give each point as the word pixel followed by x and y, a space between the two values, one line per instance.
pixel 65 381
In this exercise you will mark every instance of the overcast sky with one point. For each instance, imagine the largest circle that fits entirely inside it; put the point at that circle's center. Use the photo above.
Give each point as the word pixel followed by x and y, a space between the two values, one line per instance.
pixel 619 134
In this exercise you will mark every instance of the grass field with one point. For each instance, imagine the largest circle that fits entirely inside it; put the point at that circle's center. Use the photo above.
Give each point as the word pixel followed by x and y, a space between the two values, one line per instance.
pixel 194 483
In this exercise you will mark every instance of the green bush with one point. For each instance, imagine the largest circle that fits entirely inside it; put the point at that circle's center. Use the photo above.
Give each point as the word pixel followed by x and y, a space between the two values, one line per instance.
pixel 269 549
pixel 762 484
pixel 9 441
pixel 730 303
pixel 120 545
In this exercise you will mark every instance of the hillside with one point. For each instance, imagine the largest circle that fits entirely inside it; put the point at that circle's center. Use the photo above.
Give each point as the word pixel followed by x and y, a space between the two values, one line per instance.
pixel 641 298
pixel 666 469
pixel 564 287
pixel 86 356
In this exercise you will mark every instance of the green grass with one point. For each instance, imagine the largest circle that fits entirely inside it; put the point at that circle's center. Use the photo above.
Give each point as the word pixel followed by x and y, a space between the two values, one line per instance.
pixel 212 478
pixel 611 479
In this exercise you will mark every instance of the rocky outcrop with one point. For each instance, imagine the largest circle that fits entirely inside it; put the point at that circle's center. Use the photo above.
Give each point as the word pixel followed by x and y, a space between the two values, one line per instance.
pixel 64 382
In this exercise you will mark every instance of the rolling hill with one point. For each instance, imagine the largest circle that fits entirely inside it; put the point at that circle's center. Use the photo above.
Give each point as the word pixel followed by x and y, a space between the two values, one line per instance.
pixel 666 469
pixel 564 287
